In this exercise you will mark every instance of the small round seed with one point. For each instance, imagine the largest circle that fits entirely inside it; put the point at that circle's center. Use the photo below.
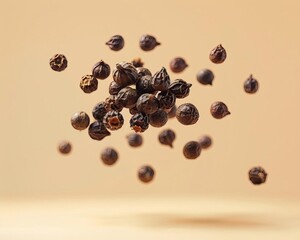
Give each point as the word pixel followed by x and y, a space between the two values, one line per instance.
pixel 205 77
pixel 80 120
pixel 101 70
pixel 187 114
pixel 251 85
pixel 98 131
pixel 64 147
pixel 88 83
pixel 109 156
pixel 257 175
pixel 192 150
pixel 146 174
pixel 205 141
pixel 116 43
pixel 178 64
pixel 134 140
pixel 219 110
pixel 158 118
pixel 218 54
pixel 113 120
pixel 148 42
pixel 167 137
pixel 58 62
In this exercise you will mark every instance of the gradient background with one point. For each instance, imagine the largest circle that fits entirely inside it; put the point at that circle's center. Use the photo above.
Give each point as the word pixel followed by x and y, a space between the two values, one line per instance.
pixel 260 37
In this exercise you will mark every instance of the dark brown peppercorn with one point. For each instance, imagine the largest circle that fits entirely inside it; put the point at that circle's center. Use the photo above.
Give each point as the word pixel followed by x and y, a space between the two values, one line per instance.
pixel 137 62
pixel 257 175
pixel 251 85
pixel 64 147
pixel 109 156
pixel 146 174
pixel 114 88
pixel 101 70
pixel 99 111
pixel 144 85
pixel 147 103
pixel 80 120
pixel 178 64
pixel 180 88
pixel 148 42
pixel 205 141
pixel 113 120
pixel 205 77
pixel 88 83
pixel 143 72
pixel 125 74
pixel 167 137
pixel 98 131
pixel 111 103
pixel 192 150
pixel 133 110
pixel 219 110
pixel 158 118
pixel 58 62
pixel 172 112
pixel 134 140
pixel 166 100
pixel 139 122
pixel 127 97
pixel 116 43
pixel 218 54
pixel 161 80
pixel 187 114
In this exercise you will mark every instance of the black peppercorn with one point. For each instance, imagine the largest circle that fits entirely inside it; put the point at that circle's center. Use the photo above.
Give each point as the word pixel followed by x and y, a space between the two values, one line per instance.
pixel 113 120
pixel 137 62
pixel 251 85
pixel 58 62
pixel 133 110
pixel 127 97
pixel 64 147
pixel 80 120
pixel 116 43
pixel 143 72
pixel 139 122
pixel 148 42
pixel 172 112
pixel 218 54
pixel 147 103
pixel 114 88
pixel 101 70
pixel 99 111
pixel 158 118
pixel 205 141
pixel 134 140
pixel 88 83
pixel 98 131
pixel 219 110
pixel 205 77
pixel 125 74
pixel 161 80
pixel 167 137
pixel 146 174
pixel 144 85
pixel 109 156
pixel 111 103
pixel 257 175
pixel 178 64
pixel 166 100
pixel 187 114
pixel 192 150
pixel 180 88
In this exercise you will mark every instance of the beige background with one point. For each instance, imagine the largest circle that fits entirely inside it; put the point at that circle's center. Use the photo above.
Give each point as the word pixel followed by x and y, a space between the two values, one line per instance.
pixel 261 37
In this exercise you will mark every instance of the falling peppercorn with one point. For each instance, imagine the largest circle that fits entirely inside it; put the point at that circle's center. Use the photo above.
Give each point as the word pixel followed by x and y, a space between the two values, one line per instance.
pixel 172 112
pixel 127 97
pixel 147 103
pixel 114 88
pixel 116 43
pixel 178 64
pixel 218 54
pixel 205 141
pixel 192 150
pixel 143 72
pixel 109 156
pixel 88 83
pixel 148 42
pixel 161 80
pixel 137 62
pixel 257 175
pixel 58 62
pixel 205 77
pixel 134 140
pixel 98 131
pixel 101 70
pixel 187 114
pixel 158 118
pixel 125 74
pixel 167 137
pixel 143 85
pixel 80 120
pixel 251 85
pixel 64 147
pixel 180 88
pixel 146 174
pixel 113 120
pixel 166 100
pixel 139 122
pixel 219 110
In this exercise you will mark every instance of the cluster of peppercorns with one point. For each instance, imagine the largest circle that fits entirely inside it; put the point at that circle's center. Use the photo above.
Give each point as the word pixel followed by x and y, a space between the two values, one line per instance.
pixel 150 99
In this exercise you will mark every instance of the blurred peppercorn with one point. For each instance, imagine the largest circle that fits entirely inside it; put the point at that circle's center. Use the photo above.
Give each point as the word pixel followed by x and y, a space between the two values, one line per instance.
pixel 116 43
pixel 205 77
pixel 257 175
pixel 148 42
pixel 109 156
pixel 64 147
pixel 192 150
pixel 146 174
pixel 167 137
pixel 178 64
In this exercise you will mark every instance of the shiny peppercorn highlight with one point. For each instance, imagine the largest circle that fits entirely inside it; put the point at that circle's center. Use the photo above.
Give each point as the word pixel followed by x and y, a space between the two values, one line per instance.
pixel 187 114
pixel 219 110
pixel 205 77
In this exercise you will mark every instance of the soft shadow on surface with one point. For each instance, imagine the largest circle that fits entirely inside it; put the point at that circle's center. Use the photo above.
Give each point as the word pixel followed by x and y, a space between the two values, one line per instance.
pixel 167 220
